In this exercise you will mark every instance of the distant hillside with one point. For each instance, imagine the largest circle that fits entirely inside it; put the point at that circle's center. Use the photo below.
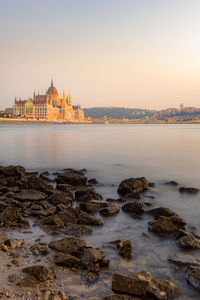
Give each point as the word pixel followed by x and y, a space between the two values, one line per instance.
pixel 117 113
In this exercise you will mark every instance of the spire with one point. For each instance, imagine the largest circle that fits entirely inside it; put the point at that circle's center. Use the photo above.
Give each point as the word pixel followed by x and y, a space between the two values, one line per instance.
pixel 34 95
pixel 63 98
pixel 70 98
pixel 51 81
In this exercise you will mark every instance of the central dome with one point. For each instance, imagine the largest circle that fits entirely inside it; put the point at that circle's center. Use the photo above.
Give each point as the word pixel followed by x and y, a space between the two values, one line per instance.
pixel 52 92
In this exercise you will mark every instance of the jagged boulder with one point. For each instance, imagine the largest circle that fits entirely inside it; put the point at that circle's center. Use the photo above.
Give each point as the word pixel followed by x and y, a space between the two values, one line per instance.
pixel 69 245
pixel 185 259
pixel 193 276
pixel 41 273
pixel 67 260
pixel 133 186
pixel 189 190
pixel 92 255
pixel 188 242
pixel 35 183
pixel 30 195
pixel 110 210
pixel 143 283
pixel 87 194
pixel 125 249
pixel 17 172
pixel 66 198
pixel 169 225
pixel 71 178
pixel 162 211
pixel 121 297
pixel 92 207
pixel 137 207
pixel 12 217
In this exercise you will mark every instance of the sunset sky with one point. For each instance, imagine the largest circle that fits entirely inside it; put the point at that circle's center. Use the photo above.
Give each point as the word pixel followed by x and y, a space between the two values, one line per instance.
pixel 132 53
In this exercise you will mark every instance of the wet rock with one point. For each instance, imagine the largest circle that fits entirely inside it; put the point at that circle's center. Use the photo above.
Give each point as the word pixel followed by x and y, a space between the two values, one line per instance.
pixel 172 182
pixel 12 277
pixel 125 249
pixel 53 220
pixel 12 217
pixel 121 297
pixel 28 281
pixel 15 243
pixel 120 200
pixel 45 177
pixel 17 172
pixel 77 230
pixel 40 248
pixel 31 173
pixel 184 259
pixel 162 211
pixel 87 194
pixel 188 190
pixel 167 225
pixel 86 219
pixel 136 207
pixel 143 283
pixel 69 245
pixel 92 255
pixel 65 187
pixel 188 242
pixel 35 183
pixel 69 216
pixel 41 273
pixel 30 195
pixel 67 260
pixel 193 276
pixel 64 198
pixel 71 178
pixel 133 185
pixel 92 181
pixel 110 210
pixel 92 207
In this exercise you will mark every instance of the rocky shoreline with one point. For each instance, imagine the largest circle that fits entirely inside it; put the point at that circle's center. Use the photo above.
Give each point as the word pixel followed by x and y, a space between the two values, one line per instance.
pixel 66 206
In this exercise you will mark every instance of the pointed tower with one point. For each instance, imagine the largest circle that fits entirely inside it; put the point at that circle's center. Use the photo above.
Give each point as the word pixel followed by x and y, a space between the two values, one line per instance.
pixel 34 96
pixel 69 98
pixel 51 81
pixel 63 98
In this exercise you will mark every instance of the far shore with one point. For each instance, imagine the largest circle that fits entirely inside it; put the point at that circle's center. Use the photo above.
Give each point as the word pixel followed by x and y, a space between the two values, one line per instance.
pixel 13 121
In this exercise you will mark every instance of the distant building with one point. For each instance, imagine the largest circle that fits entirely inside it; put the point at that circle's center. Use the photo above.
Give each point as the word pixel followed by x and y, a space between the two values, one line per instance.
pixel 49 106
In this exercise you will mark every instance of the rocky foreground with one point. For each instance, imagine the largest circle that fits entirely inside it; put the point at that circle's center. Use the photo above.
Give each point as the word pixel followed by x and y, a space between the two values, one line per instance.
pixel 66 204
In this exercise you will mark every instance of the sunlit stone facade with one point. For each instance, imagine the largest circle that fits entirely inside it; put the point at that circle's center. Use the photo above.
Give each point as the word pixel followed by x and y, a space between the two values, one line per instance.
pixel 49 106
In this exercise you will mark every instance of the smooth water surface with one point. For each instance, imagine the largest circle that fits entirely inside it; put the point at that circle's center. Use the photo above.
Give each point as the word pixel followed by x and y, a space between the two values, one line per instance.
pixel 112 153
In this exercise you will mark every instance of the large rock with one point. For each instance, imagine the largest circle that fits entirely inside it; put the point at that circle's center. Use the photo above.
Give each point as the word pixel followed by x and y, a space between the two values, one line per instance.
pixel 41 273
pixel 137 207
pixel 141 284
pixel 12 217
pixel 110 210
pixel 161 211
pixel 66 198
pixel 87 194
pixel 71 178
pixel 193 276
pixel 69 245
pixel 188 242
pixel 125 249
pixel 35 183
pixel 30 195
pixel 86 219
pixel 53 220
pixel 92 255
pixel 67 260
pixel 189 190
pixel 92 207
pixel 133 186
pixel 185 259
pixel 17 172
pixel 167 225
pixel 65 187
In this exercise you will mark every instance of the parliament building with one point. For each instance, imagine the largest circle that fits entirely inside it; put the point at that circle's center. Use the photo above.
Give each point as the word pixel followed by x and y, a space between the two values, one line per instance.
pixel 49 106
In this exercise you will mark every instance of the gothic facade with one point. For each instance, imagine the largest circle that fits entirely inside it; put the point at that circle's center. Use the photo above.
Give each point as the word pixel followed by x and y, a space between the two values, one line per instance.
pixel 49 106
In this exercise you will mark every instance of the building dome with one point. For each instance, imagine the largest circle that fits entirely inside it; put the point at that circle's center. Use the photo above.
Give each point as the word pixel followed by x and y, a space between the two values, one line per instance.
pixel 52 92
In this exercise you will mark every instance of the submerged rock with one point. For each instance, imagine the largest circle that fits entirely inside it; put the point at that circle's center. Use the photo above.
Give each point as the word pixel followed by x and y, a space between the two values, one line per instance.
pixel 193 276
pixel 143 283
pixel 167 225
pixel 185 259
pixel 189 190
pixel 92 207
pixel 172 182
pixel 133 185
pixel 92 255
pixel 110 210
pixel 87 194
pixel 86 219
pixel 136 207
pixel 121 297
pixel 125 249
pixel 188 242
pixel 162 211
pixel 92 181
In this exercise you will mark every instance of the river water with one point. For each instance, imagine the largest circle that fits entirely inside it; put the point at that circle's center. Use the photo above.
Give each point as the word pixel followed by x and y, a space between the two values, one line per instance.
pixel 112 153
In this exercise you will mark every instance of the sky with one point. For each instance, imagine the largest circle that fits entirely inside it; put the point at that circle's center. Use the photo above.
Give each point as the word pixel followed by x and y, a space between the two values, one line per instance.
pixel 122 53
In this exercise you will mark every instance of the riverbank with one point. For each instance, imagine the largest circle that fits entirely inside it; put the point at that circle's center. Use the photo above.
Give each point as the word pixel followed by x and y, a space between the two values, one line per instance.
pixel 62 238
pixel 9 121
